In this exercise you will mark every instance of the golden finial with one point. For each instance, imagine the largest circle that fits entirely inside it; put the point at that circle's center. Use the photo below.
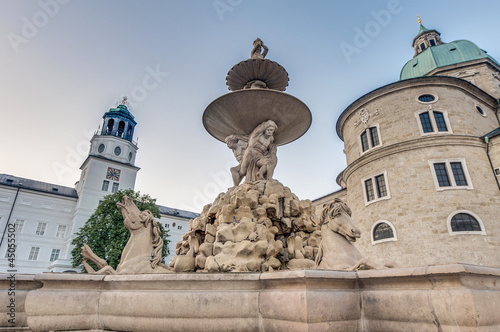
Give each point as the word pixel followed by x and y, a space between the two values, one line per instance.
pixel 419 20
pixel 124 102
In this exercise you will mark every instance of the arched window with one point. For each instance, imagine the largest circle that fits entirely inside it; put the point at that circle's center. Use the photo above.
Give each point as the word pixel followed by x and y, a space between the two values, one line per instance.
pixel 383 231
pixel 465 222
pixel 121 128
pixel 111 123
pixel 129 132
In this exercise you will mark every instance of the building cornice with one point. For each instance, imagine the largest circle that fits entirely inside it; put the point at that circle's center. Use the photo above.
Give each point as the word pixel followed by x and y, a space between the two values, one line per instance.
pixel 415 144
pixel 426 81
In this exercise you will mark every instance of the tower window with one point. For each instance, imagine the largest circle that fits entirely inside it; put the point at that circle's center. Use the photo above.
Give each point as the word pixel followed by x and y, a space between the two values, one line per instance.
pixel 118 150
pixel 375 188
pixel 433 122
pixel 100 149
pixel 465 222
pixel 422 47
pixel 383 231
pixel 121 128
pixel 111 123
pixel 426 98
pixel 450 174
pixel 370 138
pixel 480 110
pixel 115 187
pixel 432 42
pixel 105 185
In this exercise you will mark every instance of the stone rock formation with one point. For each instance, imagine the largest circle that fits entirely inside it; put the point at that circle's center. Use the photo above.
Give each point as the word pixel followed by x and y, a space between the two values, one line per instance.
pixel 256 226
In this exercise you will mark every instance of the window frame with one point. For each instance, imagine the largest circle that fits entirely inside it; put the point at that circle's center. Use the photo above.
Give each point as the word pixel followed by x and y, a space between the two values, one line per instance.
pixel 59 234
pixel 52 254
pixel 432 119
pixel 367 130
pixel 481 224
pixel 33 255
pixel 22 222
pixel 392 239
pixel 105 182
pixel 451 176
pixel 375 188
pixel 115 187
pixel 41 228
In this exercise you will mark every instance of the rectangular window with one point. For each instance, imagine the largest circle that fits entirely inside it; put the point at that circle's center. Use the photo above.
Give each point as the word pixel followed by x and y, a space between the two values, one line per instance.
pixel 376 188
pixel 440 123
pixel 115 187
pixel 450 174
pixel 370 194
pixel 458 174
pixel 426 122
pixel 442 175
pixel 40 230
pixel 422 47
pixel 364 141
pixel 105 185
pixel 34 253
pixel 167 225
pixel 55 254
pixel 433 122
pixel 381 189
pixel 18 225
pixel 370 138
pixel 432 42
pixel 179 227
pixel 61 231
pixel 374 136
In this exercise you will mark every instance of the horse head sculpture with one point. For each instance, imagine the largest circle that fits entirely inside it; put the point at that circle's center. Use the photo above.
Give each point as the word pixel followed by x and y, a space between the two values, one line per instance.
pixel 338 233
pixel 142 253
pixel 337 216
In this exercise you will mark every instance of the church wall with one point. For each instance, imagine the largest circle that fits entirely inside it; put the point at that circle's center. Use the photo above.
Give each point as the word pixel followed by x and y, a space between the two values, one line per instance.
pixel 417 208
pixel 419 212
pixel 478 73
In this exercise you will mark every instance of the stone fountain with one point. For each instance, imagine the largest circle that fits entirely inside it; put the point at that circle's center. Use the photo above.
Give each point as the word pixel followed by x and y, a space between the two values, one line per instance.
pixel 293 270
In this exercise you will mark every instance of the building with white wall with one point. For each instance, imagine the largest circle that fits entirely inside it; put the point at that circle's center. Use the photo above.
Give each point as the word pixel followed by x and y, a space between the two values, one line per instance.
pixel 44 217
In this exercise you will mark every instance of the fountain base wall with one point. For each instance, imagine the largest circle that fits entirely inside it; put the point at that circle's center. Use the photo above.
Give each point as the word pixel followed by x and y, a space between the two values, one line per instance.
pixel 437 298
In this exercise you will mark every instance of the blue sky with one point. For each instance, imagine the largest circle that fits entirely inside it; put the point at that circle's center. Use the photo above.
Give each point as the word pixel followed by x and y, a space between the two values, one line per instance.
pixel 64 63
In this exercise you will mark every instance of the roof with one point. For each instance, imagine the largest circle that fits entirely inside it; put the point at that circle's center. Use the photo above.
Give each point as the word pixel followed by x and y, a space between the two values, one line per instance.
pixel 493 133
pixel 120 110
pixel 177 213
pixel 49 188
pixel 442 55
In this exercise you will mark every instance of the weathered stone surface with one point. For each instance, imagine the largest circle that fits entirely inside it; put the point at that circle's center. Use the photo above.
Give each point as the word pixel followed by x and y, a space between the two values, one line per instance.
pixel 248 231
pixel 436 298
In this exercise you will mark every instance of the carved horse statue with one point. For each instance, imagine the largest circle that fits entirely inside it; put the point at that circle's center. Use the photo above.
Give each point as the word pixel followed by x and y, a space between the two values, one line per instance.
pixel 142 253
pixel 338 232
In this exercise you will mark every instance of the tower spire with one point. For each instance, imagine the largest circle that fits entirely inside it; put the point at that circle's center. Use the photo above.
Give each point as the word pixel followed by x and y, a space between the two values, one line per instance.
pixel 419 20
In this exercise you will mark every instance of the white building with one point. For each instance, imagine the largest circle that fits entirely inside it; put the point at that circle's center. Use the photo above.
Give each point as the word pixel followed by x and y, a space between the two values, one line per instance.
pixel 41 219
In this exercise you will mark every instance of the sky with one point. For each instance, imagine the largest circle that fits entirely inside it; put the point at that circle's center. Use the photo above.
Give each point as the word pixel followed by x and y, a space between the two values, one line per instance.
pixel 64 63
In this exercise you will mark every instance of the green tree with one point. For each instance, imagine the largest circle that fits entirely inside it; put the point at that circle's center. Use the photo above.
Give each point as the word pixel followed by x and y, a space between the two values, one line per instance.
pixel 105 232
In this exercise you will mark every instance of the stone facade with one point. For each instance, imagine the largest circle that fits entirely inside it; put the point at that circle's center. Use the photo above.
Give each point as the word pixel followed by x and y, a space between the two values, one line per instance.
pixel 399 139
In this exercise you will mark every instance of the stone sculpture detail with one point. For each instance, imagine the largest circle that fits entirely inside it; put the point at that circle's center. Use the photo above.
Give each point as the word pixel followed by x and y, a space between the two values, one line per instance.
pixel 257 158
pixel 257 226
pixel 338 231
pixel 257 52
pixel 142 253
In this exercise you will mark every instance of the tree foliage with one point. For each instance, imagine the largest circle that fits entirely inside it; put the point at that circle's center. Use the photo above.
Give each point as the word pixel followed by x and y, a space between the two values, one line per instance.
pixel 105 232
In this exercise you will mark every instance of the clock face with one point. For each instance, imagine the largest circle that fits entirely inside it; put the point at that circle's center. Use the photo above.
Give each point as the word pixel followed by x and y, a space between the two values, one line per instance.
pixel 113 174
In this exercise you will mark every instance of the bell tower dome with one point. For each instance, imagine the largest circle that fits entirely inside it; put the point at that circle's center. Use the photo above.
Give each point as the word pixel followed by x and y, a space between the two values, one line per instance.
pixel 425 38
pixel 115 140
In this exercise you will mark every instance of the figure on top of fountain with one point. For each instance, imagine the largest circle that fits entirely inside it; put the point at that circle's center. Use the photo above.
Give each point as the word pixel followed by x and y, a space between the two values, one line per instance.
pixel 258 45
pixel 258 159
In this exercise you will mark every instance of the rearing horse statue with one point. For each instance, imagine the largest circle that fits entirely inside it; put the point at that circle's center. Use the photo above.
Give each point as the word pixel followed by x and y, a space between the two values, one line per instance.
pixel 142 253
pixel 336 251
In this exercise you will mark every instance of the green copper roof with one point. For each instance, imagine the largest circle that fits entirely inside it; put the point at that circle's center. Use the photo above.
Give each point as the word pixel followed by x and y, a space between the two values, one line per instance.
pixel 422 29
pixel 442 55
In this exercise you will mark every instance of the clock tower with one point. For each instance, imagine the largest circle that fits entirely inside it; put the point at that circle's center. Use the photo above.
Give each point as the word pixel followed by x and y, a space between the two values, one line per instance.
pixel 110 166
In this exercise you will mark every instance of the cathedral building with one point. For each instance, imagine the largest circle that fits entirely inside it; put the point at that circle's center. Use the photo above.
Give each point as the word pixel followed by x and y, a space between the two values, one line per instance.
pixel 44 217
pixel 423 159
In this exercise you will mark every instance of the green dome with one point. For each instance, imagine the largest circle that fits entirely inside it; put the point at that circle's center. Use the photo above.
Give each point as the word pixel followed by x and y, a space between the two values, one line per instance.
pixel 434 57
